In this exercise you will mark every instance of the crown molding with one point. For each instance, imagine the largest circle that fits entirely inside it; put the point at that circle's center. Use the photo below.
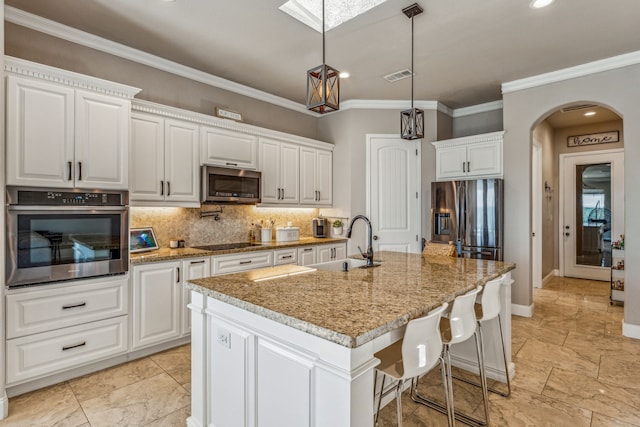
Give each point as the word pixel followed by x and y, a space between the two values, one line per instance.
pixel 68 78
pixel 393 104
pixel 204 119
pixel 55 29
pixel 594 67
pixel 477 109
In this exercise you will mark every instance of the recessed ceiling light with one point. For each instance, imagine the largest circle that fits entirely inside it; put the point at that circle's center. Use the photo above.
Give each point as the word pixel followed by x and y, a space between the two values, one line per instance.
pixel 537 4
pixel 590 113
pixel 344 75
pixel 309 12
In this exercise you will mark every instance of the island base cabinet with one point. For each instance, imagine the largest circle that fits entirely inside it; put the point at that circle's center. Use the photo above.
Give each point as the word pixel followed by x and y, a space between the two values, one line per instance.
pixel 248 370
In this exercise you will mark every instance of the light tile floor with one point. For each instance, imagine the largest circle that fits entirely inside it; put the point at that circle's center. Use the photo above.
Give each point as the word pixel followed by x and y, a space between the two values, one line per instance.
pixel 573 368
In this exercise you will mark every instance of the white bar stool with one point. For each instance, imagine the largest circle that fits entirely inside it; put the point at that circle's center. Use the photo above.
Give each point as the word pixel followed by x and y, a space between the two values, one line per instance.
pixel 457 327
pixel 414 355
pixel 489 309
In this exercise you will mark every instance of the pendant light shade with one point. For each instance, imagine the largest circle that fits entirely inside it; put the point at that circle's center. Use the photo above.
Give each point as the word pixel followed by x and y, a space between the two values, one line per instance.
pixel 323 84
pixel 412 120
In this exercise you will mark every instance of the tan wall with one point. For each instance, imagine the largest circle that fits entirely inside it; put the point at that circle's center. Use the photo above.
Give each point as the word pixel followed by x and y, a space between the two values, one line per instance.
pixel 474 124
pixel 157 86
pixel 523 110
pixel 544 135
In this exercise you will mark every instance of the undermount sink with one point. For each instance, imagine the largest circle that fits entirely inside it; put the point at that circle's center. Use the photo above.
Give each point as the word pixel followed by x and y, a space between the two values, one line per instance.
pixel 339 265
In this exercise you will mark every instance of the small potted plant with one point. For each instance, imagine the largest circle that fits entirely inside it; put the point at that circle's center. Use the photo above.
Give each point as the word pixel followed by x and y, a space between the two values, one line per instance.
pixel 337 227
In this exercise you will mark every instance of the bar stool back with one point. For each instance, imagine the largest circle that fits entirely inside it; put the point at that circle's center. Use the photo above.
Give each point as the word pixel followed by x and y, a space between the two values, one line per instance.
pixel 417 353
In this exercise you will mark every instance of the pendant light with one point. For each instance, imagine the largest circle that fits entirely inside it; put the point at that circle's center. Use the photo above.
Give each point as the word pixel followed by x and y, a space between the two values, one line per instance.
pixel 323 84
pixel 412 121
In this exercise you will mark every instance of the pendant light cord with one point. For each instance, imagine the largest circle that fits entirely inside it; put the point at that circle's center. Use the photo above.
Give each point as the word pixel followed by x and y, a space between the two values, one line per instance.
pixel 323 61
pixel 412 73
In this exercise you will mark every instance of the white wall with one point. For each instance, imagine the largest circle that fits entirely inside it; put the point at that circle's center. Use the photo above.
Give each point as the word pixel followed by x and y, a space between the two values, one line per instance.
pixel 4 403
pixel 523 109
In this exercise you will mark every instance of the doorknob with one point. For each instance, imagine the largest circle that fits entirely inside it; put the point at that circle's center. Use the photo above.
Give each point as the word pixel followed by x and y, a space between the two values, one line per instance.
pixel 567 234
pixel 375 237
pixel 566 227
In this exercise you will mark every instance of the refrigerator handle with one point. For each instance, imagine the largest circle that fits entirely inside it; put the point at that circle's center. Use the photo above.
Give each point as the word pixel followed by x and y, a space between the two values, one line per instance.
pixel 461 212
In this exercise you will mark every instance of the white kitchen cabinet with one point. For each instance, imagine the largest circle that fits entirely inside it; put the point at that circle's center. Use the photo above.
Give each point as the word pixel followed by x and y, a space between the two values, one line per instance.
pixel 316 172
pixel 477 156
pixel 195 268
pixel 234 263
pixel 222 147
pixel 334 252
pixel 280 166
pixel 307 255
pixel 156 303
pixel 58 136
pixel 164 159
pixel 285 256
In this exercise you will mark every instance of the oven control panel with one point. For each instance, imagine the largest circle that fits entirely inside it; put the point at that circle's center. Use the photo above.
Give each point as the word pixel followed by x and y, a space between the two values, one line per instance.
pixel 30 197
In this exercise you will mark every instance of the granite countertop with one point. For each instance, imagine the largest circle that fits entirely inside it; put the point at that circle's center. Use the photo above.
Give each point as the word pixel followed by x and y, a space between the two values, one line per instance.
pixel 354 307
pixel 167 254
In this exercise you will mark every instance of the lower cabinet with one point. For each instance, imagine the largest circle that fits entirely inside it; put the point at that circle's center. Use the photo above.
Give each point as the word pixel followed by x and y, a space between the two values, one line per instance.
pixel 195 268
pixel 327 253
pixel 235 263
pixel 307 255
pixel 156 303
pixel 285 256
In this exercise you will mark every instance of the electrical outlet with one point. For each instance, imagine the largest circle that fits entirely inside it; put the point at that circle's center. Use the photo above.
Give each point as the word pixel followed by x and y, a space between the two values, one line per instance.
pixel 224 338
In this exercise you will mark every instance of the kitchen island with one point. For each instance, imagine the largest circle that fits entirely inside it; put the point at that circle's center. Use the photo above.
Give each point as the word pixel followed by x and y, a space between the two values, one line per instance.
pixel 293 346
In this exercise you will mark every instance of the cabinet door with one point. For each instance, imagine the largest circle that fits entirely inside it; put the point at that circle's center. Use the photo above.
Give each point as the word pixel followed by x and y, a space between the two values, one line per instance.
pixel 101 141
pixel 39 133
pixel 146 157
pixel 270 167
pixel 285 256
pixel 340 251
pixel 484 159
pixel 325 253
pixel 155 303
pixel 228 148
pixel 307 255
pixel 451 162
pixel 308 174
pixel 225 264
pixel 191 269
pixel 290 173
pixel 324 177
pixel 181 161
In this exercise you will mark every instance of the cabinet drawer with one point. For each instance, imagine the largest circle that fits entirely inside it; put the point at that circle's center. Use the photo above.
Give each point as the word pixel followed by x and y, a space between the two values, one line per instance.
pixel 49 352
pixel 47 309
pixel 241 262
pixel 285 256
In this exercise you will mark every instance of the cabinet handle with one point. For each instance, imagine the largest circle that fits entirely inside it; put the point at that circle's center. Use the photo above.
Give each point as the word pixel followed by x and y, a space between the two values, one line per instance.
pixel 178 271
pixel 232 164
pixel 79 171
pixel 307 249
pixel 282 198
pixel 464 166
pixel 70 306
pixel 287 256
pixel 69 347
pixel 245 262
pixel 468 166
pixel 162 188
pixel 198 262
pixel 319 195
pixel 168 188
pixel 70 167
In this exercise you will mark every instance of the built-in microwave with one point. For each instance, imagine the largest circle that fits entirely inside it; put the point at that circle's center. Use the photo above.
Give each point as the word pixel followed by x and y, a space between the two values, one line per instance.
pixel 226 185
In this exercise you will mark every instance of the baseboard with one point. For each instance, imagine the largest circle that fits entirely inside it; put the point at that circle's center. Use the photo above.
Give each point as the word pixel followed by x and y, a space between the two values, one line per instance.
pixel 492 373
pixel 548 277
pixel 522 310
pixel 631 331
pixel 4 405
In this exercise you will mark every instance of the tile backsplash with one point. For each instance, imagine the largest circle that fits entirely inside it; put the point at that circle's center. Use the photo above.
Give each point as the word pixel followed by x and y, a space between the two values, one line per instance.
pixel 233 225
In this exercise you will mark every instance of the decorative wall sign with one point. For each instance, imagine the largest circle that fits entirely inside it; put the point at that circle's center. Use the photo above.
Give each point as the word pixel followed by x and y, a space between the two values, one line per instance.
pixel 593 138
pixel 227 114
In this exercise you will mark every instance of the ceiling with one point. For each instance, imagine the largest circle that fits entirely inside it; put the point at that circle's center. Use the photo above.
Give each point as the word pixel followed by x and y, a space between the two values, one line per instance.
pixel 464 49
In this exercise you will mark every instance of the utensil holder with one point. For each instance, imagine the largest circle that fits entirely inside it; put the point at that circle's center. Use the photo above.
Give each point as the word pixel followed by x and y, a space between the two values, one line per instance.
pixel 265 235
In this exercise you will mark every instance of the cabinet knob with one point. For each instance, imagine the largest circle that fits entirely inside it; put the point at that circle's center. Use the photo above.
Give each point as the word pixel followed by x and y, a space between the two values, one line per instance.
pixel 375 237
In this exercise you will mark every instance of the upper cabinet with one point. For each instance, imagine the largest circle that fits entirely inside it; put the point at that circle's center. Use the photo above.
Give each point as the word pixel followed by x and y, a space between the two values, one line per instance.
pixel 316 176
pixel 222 147
pixel 65 129
pixel 469 157
pixel 280 166
pixel 164 160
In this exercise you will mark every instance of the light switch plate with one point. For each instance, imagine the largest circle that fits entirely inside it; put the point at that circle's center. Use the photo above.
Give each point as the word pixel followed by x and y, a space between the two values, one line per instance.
pixel 224 338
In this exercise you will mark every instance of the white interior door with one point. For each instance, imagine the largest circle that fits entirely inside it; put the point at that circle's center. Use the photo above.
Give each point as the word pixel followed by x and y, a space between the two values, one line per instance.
pixel 592 204
pixel 393 192
pixel 536 216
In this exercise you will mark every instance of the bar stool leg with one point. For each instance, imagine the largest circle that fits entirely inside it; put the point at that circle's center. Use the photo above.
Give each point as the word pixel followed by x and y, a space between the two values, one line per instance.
pixel 446 381
pixel 504 358
pixel 374 395
pixel 399 402
pixel 483 376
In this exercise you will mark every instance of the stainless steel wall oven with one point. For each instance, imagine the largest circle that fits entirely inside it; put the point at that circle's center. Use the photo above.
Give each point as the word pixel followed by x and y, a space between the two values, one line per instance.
pixel 63 234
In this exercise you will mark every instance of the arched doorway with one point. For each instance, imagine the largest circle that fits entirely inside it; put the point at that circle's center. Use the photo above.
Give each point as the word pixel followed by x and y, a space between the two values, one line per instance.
pixel 575 191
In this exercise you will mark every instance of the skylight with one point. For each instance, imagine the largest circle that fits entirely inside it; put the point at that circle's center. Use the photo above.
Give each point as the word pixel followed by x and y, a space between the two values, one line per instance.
pixel 337 12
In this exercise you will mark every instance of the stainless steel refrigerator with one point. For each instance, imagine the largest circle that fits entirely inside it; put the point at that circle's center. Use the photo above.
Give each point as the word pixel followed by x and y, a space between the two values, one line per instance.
pixel 469 214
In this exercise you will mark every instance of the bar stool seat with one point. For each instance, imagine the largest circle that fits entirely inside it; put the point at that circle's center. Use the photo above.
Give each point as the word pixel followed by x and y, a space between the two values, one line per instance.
pixel 418 352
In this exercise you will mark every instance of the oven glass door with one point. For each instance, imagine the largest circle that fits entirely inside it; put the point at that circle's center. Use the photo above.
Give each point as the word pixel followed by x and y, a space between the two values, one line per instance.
pixel 45 246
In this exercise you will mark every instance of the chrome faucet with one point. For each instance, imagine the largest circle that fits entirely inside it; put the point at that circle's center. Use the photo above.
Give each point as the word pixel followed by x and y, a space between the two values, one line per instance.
pixel 369 254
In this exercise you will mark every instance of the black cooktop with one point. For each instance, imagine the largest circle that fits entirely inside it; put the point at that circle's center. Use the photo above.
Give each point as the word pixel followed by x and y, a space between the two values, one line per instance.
pixel 225 246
